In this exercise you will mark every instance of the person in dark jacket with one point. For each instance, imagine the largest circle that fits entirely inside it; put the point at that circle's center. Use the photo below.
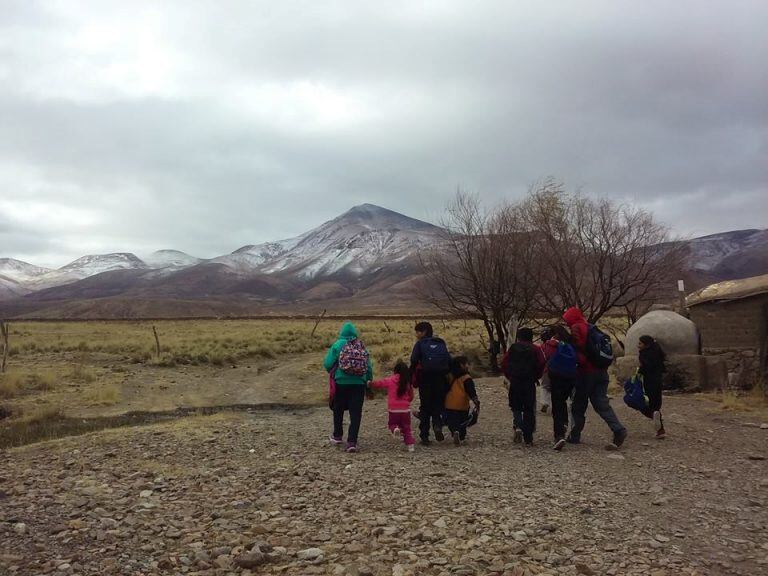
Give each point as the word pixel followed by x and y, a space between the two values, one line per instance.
pixel 652 366
pixel 562 371
pixel 591 385
pixel 523 365
pixel 430 364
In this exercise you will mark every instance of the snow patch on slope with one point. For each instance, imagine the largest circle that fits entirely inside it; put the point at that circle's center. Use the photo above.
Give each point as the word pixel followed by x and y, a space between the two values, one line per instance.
pixel 708 251
pixel 20 271
pixel 170 259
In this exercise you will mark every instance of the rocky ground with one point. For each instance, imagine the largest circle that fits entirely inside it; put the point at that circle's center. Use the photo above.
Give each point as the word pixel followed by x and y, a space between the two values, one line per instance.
pixel 263 493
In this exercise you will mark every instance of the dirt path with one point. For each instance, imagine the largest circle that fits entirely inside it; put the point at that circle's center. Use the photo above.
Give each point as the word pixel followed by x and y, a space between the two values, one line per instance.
pixel 194 496
pixel 290 381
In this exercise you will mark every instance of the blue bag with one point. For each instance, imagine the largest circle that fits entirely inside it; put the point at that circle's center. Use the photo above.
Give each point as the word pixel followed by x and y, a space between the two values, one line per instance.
pixel 634 393
pixel 563 362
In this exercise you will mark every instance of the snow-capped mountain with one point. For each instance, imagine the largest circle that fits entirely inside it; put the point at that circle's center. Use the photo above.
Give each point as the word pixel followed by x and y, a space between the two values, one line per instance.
pixel 254 256
pixel 21 271
pixel 170 259
pixel 98 263
pixel 363 239
pixel 369 254
pixel 708 253
pixel 85 267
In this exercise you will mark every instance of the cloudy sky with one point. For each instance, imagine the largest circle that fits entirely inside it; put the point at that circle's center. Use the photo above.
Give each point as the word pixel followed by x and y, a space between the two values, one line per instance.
pixel 206 125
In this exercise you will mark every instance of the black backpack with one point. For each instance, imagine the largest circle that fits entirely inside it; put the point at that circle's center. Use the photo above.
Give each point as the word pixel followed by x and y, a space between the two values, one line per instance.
pixel 521 363
pixel 598 349
pixel 434 355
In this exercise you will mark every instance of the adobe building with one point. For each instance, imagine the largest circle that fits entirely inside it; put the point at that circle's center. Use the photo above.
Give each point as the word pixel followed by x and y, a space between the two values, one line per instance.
pixel 687 369
pixel 732 318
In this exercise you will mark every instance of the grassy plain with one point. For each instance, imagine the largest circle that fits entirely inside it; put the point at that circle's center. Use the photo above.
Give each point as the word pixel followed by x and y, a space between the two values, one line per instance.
pixel 63 371
pixel 104 369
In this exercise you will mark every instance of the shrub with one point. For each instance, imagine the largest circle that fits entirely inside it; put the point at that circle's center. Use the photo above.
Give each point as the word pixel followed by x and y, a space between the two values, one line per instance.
pixel 10 385
pixel 42 381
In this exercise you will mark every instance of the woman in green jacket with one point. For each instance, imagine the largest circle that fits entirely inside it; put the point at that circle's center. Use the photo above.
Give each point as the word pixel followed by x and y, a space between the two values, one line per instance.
pixel 351 368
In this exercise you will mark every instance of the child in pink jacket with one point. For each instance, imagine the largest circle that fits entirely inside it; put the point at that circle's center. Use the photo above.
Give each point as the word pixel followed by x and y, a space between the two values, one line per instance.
pixel 399 398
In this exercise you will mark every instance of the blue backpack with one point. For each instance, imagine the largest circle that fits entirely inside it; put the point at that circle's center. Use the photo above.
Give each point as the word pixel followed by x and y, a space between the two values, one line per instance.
pixel 599 349
pixel 563 362
pixel 634 393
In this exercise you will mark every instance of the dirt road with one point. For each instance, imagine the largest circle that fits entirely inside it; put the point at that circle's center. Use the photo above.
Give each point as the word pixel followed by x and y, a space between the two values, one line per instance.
pixel 264 493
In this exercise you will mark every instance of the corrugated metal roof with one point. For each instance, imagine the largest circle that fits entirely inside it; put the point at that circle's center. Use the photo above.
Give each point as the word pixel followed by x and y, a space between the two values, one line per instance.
pixel 729 290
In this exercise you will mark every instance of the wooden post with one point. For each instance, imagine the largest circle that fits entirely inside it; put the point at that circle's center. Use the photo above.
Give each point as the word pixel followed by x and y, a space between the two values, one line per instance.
pixel 157 341
pixel 4 331
pixel 316 324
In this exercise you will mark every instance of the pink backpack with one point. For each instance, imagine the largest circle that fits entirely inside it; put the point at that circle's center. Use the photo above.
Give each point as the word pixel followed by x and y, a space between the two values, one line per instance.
pixel 353 358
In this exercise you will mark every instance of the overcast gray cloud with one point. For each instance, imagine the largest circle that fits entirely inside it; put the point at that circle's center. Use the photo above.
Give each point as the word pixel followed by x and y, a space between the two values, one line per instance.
pixel 204 126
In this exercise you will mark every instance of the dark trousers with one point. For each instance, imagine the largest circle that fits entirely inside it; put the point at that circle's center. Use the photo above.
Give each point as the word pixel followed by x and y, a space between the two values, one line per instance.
pixel 592 388
pixel 348 398
pixel 522 401
pixel 652 386
pixel 432 389
pixel 561 390
pixel 456 420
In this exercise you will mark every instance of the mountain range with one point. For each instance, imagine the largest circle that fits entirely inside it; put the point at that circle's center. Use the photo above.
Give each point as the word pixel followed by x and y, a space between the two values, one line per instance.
pixel 365 259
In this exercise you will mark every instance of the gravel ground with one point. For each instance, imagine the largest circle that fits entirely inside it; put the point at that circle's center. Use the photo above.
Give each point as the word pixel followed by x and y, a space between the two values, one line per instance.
pixel 264 493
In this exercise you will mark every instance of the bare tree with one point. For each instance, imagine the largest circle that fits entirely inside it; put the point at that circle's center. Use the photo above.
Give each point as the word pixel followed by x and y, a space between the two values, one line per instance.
pixel 598 255
pixel 482 268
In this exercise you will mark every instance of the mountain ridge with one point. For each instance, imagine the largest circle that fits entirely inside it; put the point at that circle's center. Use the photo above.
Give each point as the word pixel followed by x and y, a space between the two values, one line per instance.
pixel 368 254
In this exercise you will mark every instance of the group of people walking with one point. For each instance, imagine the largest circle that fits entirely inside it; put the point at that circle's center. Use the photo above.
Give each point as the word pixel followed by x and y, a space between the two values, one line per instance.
pixel 570 364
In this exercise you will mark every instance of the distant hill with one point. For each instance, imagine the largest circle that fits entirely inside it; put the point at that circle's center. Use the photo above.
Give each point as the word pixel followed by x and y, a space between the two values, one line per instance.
pixel 366 258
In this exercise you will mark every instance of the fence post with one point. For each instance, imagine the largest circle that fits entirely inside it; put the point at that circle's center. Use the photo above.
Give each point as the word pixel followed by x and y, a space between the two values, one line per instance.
pixel 4 331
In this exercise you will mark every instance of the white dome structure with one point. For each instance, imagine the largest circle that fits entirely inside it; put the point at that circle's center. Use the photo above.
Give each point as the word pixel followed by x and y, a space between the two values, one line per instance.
pixel 675 333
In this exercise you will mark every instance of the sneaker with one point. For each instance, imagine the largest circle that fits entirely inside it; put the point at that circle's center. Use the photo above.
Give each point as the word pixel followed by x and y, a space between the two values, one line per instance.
pixel 529 443
pixel 410 448
pixel 657 421
pixel 517 438
pixel 571 439
pixel 425 442
pixel 335 440
pixel 661 433
pixel 396 432
pixel 438 430
pixel 352 447
pixel 559 444
pixel 456 438
pixel 618 440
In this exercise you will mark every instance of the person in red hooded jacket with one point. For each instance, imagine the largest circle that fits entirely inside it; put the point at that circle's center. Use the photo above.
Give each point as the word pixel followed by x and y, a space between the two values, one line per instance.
pixel 591 385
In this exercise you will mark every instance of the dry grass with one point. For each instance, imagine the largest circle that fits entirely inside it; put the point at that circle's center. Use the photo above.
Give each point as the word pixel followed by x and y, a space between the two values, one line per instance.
pixel 16 383
pixel 105 395
pixel 752 401
pixel 218 342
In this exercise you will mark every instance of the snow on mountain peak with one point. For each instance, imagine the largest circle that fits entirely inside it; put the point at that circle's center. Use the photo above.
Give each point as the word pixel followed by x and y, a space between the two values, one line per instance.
pixel 372 216
pixel 362 239
pixel 20 271
pixel 708 251
pixel 98 263
pixel 170 259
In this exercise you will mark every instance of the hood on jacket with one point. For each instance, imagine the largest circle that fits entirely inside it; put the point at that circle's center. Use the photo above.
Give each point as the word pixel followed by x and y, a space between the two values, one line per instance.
pixel 573 316
pixel 348 331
